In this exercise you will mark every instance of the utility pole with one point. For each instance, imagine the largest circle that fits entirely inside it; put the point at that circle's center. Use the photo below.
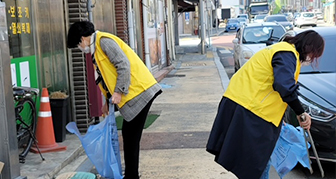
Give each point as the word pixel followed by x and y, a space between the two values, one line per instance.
pixel 130 25
pixel 202 26
pixel 89 9
pixel 177 38
pixel 216 7
pixel 170 29
pixel 9 152
pixel 334 13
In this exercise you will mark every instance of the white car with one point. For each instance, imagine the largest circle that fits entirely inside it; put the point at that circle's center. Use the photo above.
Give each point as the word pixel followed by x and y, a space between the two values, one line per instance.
pixel 242 21
pixel 253 37
pixel 319 16
pixel 306 19
pixel 259 18
pixel 243 16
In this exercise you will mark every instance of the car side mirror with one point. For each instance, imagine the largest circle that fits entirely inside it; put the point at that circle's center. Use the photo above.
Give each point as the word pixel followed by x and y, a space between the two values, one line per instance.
pixel 235 41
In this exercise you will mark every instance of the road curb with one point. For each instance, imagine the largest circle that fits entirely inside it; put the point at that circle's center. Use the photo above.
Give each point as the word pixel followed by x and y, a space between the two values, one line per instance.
pixel 72 157
pixel 222 73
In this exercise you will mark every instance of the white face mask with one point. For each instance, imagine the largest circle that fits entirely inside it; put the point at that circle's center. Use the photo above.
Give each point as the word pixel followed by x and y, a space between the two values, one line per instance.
pixel 305 63
pixel 86 49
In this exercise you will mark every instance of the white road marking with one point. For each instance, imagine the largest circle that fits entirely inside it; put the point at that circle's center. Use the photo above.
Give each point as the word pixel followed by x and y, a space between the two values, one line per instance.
pixel 224 51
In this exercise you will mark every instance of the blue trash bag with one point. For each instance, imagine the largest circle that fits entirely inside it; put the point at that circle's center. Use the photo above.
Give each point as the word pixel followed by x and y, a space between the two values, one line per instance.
pixel 101 145
pixel 289 150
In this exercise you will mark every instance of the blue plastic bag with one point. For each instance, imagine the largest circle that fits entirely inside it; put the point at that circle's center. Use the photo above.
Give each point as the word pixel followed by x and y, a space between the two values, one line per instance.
pixel 101 145
pixel 289 150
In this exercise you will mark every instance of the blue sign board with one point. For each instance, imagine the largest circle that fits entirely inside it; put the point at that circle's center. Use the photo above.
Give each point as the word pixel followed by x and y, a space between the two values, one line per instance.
pixel 186 14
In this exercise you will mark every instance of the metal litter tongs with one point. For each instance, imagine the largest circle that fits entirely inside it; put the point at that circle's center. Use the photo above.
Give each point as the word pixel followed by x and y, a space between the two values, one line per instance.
pixel 303 118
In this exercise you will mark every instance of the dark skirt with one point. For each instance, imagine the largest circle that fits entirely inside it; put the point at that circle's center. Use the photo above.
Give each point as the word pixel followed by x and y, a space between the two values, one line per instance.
pixel 241 141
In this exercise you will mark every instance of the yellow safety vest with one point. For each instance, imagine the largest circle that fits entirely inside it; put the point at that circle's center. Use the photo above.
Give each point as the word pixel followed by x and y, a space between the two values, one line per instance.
pixel 141 77
pixel 252 85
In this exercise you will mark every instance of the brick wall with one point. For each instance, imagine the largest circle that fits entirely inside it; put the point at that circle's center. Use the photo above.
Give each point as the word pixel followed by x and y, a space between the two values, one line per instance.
pixel 121 19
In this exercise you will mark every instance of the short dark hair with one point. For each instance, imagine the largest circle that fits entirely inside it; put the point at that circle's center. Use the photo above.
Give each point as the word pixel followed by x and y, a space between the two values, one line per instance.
pixel 306 43
pixel 77 31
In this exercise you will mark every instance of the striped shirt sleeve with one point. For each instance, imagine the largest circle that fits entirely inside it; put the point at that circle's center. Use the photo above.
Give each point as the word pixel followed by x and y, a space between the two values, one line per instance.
pixel 120 61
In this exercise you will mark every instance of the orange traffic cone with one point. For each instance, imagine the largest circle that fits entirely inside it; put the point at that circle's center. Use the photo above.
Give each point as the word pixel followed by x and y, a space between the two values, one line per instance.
pixel 45 130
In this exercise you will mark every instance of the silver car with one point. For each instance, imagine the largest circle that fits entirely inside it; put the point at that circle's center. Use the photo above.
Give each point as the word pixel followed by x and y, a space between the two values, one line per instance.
pixel 253 37
pixel 281 19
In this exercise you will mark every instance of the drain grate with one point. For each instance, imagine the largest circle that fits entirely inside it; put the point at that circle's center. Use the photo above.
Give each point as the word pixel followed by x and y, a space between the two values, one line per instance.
pixel 175 75
pixel 196 64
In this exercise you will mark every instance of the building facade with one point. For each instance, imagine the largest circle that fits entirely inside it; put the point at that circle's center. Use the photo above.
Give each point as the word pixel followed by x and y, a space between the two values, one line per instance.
pixel 37 32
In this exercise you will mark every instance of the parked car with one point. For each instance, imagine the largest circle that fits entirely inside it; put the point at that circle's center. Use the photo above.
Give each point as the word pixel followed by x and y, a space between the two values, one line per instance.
pixel 296 15
pixel 290 16
pixel 232 25
pixel 250 38
pixel 306 19
pixel 319 16
pixel 281 19
pixel 259 18
pixel 242 21
pixel 243 16
pixel 317 93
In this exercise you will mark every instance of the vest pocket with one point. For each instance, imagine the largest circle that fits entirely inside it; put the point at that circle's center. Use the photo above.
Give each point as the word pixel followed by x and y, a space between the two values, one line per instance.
pixel 266 96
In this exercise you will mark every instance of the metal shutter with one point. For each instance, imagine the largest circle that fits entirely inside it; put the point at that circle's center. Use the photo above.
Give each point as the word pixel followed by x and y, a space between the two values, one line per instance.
pixel 77 11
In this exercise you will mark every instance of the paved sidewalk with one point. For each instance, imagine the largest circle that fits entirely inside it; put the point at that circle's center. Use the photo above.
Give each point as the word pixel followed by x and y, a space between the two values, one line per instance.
pixel 188 104
pixel 173 147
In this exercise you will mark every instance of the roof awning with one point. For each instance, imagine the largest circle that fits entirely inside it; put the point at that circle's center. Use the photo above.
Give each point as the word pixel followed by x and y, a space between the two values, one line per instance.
pixel 186 5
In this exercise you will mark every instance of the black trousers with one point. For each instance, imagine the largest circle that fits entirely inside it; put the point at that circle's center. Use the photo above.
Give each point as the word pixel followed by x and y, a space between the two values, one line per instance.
pixel 131 132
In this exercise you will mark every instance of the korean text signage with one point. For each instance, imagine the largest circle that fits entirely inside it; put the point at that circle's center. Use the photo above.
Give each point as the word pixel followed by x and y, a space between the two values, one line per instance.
pixel 20 19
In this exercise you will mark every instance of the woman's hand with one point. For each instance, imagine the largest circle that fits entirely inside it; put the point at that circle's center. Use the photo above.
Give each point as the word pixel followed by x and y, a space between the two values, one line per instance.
pixel 304 120
pixel 116 98
pixel 105 109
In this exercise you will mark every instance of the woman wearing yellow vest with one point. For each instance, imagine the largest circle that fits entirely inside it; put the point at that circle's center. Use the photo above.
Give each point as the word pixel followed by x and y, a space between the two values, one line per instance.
pixel 124 79
pixel 248 121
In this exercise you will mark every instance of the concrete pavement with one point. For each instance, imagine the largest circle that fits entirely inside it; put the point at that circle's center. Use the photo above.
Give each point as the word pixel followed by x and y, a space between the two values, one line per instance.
pixel 173 147
pixel 187 106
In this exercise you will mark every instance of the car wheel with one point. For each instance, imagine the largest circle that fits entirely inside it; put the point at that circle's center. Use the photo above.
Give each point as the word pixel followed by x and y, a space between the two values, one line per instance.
pixel 314 25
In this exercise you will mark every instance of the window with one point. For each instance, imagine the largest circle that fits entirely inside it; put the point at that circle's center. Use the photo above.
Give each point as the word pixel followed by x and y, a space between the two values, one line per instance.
pixel 231 21
pixel 276 18
pixel 242 16
pixel 262 33
pixel 20 33
pixel 308 15
pixel 259 9
pixel 327 61
pixel 259 16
